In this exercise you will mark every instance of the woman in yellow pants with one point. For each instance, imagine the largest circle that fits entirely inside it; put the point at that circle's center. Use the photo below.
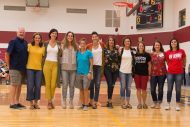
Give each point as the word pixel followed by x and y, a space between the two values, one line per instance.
pixel 50 69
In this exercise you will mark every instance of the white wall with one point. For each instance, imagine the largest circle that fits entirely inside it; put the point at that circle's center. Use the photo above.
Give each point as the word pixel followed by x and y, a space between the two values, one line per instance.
pixel 56 16
pixel 178 6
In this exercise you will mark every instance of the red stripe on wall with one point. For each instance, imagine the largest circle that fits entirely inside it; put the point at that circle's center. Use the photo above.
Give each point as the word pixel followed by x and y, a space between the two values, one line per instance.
pixel 182 35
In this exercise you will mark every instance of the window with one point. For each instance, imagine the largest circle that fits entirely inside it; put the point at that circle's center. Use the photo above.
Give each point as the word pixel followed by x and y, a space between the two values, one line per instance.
pixel 112 18
pixel 39 3
pixel 182 17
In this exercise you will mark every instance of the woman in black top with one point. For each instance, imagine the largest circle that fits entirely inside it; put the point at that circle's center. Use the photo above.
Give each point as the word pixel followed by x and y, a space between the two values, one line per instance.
pixel 142 72
pixel 111 66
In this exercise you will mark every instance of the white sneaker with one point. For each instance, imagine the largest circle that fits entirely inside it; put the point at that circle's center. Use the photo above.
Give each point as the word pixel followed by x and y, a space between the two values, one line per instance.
pixel 157 106
pixel 167 107
pixel 153 105
pixel 177 108
pixel 64 105
pixel 81 107
pixel 85 108
pixel 71 106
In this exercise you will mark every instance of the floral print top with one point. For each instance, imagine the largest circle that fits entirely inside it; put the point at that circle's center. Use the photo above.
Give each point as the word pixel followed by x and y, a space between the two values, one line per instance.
pixel 111 59
pixel 158 66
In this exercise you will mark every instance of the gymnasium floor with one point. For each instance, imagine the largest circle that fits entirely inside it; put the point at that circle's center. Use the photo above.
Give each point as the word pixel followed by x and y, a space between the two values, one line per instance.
pixel 102 117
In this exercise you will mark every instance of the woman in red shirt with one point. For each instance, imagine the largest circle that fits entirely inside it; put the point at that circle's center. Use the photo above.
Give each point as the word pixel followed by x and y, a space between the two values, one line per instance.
pixel 176 60
pixel 158 73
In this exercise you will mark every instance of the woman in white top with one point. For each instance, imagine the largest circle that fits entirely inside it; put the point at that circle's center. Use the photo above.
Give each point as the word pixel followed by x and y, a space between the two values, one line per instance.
pixel 97 49
pixel 50 69
pixel 125 72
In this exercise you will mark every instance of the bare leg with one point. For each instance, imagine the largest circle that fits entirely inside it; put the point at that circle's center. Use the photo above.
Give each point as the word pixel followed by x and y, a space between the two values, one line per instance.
pixel 18 92
pixel 82 96
pixel 13 94
pixel 139 96
pixel 86 97
pixel 144 96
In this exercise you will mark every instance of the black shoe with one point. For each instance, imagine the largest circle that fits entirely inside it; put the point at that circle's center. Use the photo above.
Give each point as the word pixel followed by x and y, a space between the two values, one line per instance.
pixel 89 105
pixel 20 105
pixel 14 106
pixel 7 82
pixel 109 105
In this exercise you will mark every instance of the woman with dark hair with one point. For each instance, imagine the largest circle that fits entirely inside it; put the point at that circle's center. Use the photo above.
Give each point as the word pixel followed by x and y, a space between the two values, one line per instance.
pixel 125 72
pixel 176 61
pixel 98 58
pixel 51 66
pixel 36 51
pixel 68 67
pixel 142 72
pixel 158 73
pixel 111 67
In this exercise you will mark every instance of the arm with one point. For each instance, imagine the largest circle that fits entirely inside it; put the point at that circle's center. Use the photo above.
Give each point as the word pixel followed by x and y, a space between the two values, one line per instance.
pixel 90 71
pixel 149 68
pixel 7 59
pixel 184 62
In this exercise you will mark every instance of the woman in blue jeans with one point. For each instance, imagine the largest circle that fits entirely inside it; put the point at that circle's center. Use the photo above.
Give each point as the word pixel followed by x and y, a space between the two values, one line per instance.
pixel 111 67
pixel 125 72
pixel 158 74
pixel 97 50
pixel 36 52
pixel 176 60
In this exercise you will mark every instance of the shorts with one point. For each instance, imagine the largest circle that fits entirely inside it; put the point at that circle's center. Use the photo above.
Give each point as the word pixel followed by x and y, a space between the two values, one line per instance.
pixel 82 82
pixel 141 81
pixel 17 77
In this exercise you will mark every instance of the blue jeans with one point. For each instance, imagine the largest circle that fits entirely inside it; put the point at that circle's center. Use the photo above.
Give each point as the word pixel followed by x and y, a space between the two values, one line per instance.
pixel 154 82
pixel 111 78
pixel 178 80
pixel 126 81
pixel 95 83
pixel 34 81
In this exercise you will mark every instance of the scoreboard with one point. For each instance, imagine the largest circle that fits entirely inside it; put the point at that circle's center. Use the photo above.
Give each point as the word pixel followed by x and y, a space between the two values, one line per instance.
pixel 150 14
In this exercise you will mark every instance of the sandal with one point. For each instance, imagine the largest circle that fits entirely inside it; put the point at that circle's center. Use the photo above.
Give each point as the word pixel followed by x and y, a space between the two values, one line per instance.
pixel 145 106
pixel 129 106
pixel 139 106
pixel 32 107
pixel 49 106
pixel 124 106
pixel 52 105
pixel 36 106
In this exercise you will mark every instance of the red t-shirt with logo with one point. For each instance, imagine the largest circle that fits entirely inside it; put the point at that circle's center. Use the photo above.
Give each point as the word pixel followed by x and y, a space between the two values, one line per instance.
pixel 175 61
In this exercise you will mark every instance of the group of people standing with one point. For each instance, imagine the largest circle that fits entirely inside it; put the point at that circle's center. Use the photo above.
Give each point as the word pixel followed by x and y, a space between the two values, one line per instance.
pixel 81 65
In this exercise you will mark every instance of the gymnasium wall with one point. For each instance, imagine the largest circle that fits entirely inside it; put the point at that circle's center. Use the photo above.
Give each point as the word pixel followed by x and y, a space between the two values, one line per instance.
pixel 56 16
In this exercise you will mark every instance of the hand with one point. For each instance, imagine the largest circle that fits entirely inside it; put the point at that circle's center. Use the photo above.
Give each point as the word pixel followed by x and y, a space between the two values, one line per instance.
pixel 117 46
pixel 119 50
pixel 62 46
pixel 89 76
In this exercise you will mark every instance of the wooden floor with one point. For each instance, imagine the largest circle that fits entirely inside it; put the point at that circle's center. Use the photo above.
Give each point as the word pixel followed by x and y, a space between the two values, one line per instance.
pixel 102 117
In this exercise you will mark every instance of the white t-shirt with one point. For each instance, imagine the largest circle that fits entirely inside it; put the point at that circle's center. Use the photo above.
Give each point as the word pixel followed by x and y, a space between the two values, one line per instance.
pixel 97 56
pixel 52 53
pixel 126 62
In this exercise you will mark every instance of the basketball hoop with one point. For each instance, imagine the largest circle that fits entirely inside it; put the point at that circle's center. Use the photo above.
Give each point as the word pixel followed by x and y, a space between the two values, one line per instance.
pixel 123 4
pixel 118 6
